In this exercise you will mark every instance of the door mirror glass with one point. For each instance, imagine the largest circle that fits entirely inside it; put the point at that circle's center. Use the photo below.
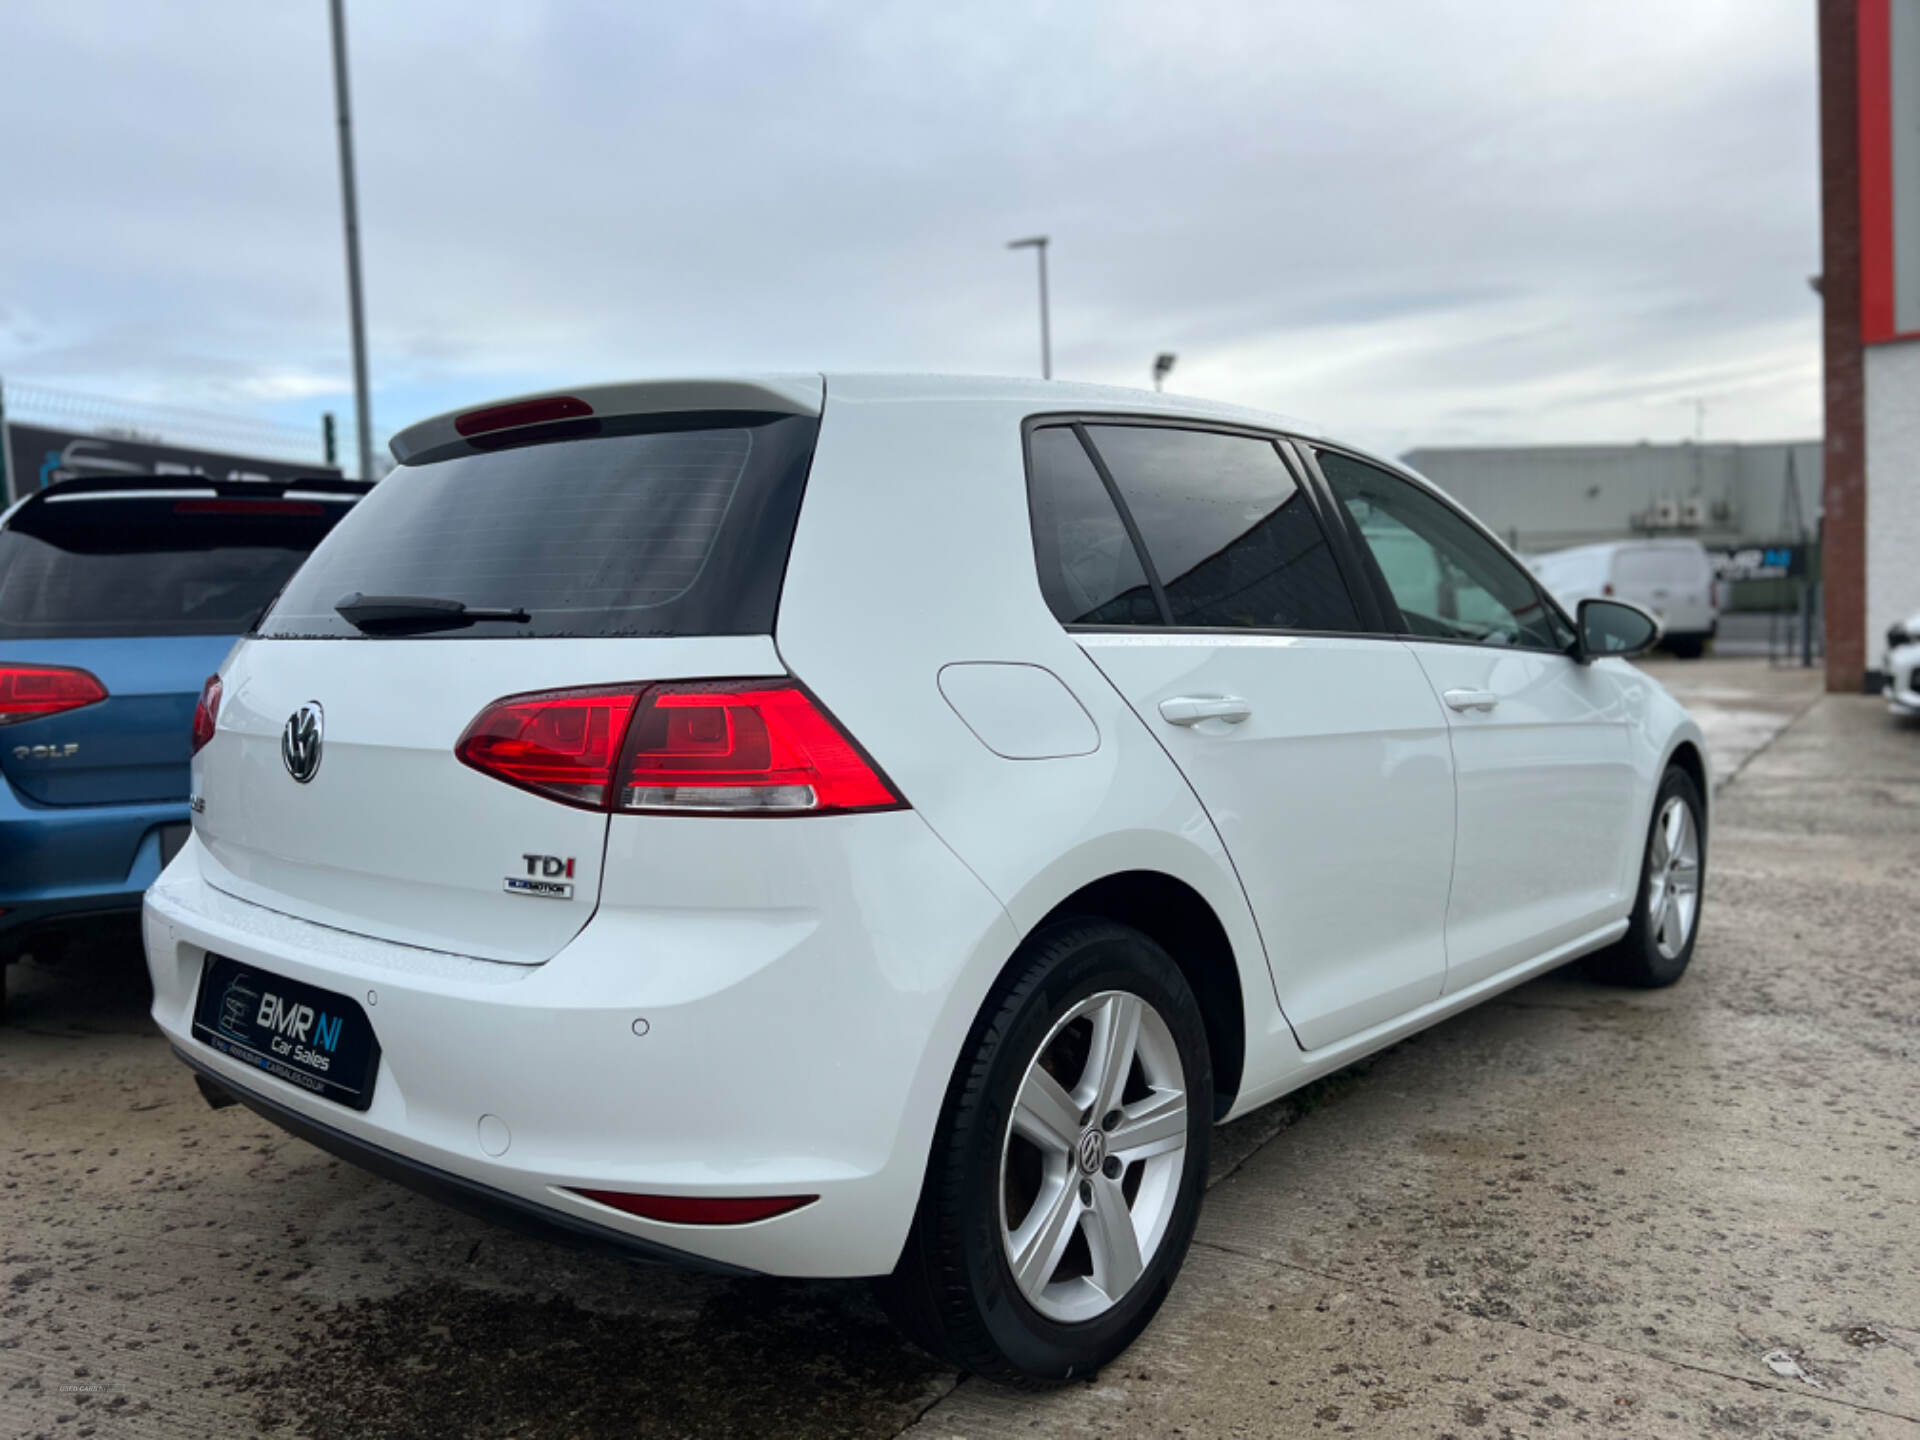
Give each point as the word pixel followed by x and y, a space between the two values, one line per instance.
pixel 1615 628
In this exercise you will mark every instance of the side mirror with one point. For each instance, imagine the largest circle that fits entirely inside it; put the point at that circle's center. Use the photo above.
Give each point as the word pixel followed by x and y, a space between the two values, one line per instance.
pixel 1613 628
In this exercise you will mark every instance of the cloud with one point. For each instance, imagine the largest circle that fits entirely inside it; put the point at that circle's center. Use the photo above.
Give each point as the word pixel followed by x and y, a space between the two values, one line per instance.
pixel 1480 220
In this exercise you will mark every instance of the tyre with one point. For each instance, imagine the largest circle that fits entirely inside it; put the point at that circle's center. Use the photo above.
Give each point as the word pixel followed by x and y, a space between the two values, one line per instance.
pixel 1066 1173
pixel 1687 647
pixel 1666 915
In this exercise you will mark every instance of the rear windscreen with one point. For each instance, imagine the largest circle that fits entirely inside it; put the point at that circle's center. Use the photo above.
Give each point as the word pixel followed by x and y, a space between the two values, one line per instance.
pixel 90 566
pixel 662 530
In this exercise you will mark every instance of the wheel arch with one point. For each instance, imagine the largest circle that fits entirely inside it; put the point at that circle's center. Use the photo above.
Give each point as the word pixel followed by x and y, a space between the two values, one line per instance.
pixel 1687 756
pixel 1180 920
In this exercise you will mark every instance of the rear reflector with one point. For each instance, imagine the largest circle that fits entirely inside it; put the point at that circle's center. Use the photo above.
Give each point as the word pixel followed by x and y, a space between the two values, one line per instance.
pixel 32 692
pixel 523 412
pixel 563 744
pixel 700 1210
pixel 206 714
pixel 721 747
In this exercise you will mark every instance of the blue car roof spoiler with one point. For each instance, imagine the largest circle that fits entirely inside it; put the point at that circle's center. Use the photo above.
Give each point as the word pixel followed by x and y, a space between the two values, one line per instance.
pixel 222 488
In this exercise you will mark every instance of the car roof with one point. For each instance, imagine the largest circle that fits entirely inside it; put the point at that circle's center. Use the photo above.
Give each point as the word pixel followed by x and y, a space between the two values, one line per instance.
pixel 1039 396
pixel 807 394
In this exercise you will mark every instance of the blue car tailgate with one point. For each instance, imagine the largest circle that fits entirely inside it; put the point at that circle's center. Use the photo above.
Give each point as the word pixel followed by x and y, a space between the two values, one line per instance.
pixel 129 748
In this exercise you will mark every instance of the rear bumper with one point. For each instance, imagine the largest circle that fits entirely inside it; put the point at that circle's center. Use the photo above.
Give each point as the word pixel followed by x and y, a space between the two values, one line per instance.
pixel 66 862
pixel 481 1201
pixel 797 1043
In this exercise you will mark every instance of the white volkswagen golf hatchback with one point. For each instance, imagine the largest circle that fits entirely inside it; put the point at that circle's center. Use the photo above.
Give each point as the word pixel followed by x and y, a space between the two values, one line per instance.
pixel 877 827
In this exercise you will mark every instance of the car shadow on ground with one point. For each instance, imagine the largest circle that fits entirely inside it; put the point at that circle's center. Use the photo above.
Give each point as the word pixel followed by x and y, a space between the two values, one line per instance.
pixel 89 980
pixel 346 1305
pixel 383 1313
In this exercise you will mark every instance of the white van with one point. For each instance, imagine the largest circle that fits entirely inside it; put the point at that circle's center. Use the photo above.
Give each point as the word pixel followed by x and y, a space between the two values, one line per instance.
pixel 1672 578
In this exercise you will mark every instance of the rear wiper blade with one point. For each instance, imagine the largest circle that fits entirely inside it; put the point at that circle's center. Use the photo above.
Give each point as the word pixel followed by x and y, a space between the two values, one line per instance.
pixel 417 612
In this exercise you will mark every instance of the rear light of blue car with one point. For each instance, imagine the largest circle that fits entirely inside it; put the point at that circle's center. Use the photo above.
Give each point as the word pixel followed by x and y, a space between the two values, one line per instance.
pixel 724 747
pixel 33 692
pixel 206 713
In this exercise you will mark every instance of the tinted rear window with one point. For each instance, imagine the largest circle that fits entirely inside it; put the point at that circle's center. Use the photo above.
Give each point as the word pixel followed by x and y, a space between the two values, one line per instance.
pixel 666 530
pixel 92 567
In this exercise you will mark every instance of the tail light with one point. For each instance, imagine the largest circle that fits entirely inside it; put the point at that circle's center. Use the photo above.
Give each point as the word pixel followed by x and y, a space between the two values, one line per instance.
pixel 1713 593
pixel 33 692
pixel 744 747
pixel 564 744
pixel 206 713
pixel 1607 588
pixel 729 747
pixel 700 1209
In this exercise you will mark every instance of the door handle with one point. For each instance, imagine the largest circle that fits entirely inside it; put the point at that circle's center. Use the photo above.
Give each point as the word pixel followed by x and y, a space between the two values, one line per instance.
pixel 1192 709
pixel 1470 699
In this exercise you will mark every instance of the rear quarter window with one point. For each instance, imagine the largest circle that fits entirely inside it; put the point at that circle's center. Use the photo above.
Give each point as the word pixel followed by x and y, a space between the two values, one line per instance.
pixel 653 527
pixel 1089 570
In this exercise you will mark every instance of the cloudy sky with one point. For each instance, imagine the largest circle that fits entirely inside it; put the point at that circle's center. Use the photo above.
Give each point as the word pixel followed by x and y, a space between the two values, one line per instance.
pixel 1415 221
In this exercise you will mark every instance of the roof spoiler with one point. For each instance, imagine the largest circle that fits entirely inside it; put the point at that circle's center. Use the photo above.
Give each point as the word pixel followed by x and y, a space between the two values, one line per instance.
pixel 224 488
pixel 563 414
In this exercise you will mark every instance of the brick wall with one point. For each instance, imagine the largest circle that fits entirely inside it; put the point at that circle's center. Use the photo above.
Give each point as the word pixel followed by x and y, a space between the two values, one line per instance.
pixel 1844 532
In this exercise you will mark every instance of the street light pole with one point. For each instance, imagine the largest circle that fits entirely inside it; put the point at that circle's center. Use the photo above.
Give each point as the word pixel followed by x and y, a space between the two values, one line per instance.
pixel 363 418
pixel 1038 243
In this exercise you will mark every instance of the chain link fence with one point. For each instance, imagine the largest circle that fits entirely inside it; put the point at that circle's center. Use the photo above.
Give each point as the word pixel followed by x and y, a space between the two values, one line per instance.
pixel 1799 636
pixel 30 404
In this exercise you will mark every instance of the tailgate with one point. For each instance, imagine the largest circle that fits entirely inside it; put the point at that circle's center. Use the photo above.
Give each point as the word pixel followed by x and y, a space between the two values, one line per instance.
pixel 392 836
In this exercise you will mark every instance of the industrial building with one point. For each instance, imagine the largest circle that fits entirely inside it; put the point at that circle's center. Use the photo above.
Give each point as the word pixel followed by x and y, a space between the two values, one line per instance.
pixel 1549 497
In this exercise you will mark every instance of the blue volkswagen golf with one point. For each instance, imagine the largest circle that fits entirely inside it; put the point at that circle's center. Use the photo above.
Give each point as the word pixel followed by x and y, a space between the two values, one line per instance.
pixel 119 597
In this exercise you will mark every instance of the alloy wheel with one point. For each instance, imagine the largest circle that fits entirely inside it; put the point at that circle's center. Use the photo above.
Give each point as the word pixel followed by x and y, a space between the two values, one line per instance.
pixel 1673 878
pixel 1091 1162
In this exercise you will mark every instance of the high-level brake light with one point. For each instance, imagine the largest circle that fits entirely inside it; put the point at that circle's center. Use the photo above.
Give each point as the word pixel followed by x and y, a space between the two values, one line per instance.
pixel 248 507
pixel 521 412
pixel 721 747
pixel 33 692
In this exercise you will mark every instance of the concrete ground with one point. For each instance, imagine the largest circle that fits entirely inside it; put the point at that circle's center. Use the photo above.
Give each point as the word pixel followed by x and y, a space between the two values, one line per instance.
pixel 1572 1211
